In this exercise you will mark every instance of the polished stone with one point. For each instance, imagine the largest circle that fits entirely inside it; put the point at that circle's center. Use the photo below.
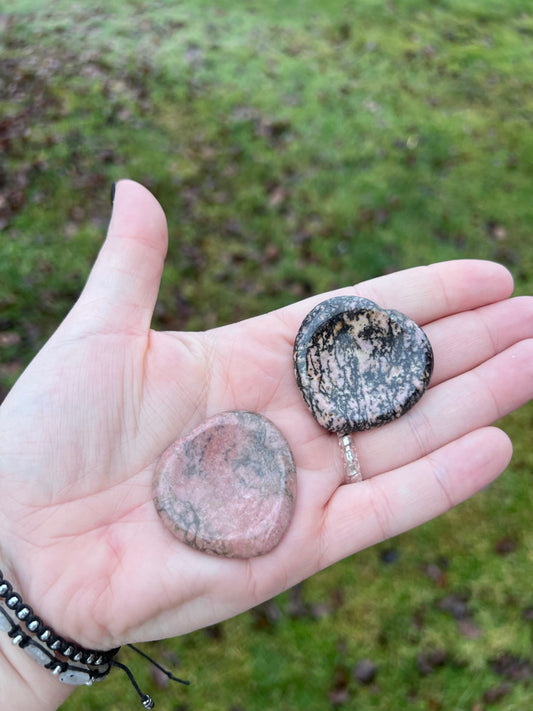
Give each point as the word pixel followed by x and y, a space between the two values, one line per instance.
pixel 228 488
pixel 359 366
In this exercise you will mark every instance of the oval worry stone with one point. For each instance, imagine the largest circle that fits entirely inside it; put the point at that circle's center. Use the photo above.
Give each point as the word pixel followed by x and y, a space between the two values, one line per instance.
pixel 228 488
pixel 359 366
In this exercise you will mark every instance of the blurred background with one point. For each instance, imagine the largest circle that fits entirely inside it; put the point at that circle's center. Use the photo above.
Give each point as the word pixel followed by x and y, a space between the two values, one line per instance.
pixel 295 147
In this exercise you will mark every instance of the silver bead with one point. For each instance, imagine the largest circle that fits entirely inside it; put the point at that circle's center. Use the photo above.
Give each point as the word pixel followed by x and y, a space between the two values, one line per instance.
pixel 22 614
pixel 17 639
pixel 33 625
pixel 3 589
pixel 55 645
pixel 12 602
pixel 90 659
pixel 68 651
pixel 99 661
pixel 57 670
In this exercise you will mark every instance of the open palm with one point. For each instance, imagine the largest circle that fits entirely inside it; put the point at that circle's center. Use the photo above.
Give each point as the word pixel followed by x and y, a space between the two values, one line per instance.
pixel 82 430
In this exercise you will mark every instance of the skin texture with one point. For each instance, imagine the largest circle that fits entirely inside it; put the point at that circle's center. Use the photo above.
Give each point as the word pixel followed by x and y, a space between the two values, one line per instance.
pixel 81 432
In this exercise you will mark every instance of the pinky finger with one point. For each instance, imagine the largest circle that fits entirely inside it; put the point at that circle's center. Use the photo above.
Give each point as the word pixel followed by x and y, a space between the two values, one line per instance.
pixel 360 515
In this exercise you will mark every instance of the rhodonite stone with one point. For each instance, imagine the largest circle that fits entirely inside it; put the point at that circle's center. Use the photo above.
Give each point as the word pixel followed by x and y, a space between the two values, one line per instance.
pixel 359 366
pixel 229 487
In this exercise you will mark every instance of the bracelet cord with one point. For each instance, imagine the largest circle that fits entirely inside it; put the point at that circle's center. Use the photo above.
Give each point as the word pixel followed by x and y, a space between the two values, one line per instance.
pixel 69 662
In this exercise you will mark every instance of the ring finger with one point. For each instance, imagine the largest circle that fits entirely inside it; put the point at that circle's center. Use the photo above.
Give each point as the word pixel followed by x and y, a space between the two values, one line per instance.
pixel 450 410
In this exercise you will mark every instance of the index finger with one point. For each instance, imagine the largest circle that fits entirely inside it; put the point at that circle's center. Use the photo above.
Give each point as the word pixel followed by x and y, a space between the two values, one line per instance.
pixel 424 293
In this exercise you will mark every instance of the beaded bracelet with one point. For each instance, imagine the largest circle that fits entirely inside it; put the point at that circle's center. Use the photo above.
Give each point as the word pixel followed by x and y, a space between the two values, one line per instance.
pixel 69 662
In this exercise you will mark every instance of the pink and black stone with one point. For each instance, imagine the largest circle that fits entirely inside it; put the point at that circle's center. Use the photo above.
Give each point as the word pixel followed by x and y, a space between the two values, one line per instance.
pixel 229 487
pixel 359 366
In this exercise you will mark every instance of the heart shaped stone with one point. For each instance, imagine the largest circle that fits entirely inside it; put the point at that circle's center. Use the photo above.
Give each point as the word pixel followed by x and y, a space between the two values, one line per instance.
pixel 359 366
pixel 229 487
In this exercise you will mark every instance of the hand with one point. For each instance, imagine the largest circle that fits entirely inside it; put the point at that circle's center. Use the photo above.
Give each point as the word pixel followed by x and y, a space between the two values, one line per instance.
pixel 81 431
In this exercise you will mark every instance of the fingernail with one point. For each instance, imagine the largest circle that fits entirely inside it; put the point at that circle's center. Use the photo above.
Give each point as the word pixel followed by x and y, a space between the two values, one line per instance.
pixel 113 193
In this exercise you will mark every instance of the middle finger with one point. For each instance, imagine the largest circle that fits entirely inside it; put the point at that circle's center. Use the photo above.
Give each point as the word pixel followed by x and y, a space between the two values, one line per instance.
pixel 451 409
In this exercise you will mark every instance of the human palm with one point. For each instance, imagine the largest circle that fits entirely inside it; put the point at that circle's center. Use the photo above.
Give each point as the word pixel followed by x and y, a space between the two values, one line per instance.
pixel 81 432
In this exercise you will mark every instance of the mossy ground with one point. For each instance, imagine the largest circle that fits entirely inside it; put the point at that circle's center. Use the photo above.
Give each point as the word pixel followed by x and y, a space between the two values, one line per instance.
pixel 295 147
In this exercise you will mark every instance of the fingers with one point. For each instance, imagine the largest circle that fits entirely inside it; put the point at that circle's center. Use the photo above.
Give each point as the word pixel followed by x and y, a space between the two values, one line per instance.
pixel 360 515
pixel 424 294
pixel 429 293
pixel 463 341
pixel 495 343
pixel 123 285
pixel 452 409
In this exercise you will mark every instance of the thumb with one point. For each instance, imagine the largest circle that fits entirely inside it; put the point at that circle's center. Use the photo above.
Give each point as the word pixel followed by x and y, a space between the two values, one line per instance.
pixel 122 288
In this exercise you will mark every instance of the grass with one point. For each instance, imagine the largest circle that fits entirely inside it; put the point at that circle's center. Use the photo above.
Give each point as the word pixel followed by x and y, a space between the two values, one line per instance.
pixel 295 147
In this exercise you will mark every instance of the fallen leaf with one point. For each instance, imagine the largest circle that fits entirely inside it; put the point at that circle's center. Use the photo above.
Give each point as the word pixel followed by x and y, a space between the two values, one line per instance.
pixel 340 693
pixel 430 660
pixel 456 605
pixel 436 573
pixel 512 667
pixel 496 693
pixel 365 671
pixel 469 629
pixel 266 615
pixel 506 545
pixel 389 555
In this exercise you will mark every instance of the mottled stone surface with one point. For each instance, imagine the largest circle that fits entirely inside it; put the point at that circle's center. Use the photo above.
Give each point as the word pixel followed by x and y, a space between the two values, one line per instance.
pixel 228 488
pixel 359 366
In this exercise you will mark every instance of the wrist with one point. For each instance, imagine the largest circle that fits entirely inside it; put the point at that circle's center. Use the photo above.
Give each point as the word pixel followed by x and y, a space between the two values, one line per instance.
pixel 27 685
pixel 56 662
pixel 35 663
